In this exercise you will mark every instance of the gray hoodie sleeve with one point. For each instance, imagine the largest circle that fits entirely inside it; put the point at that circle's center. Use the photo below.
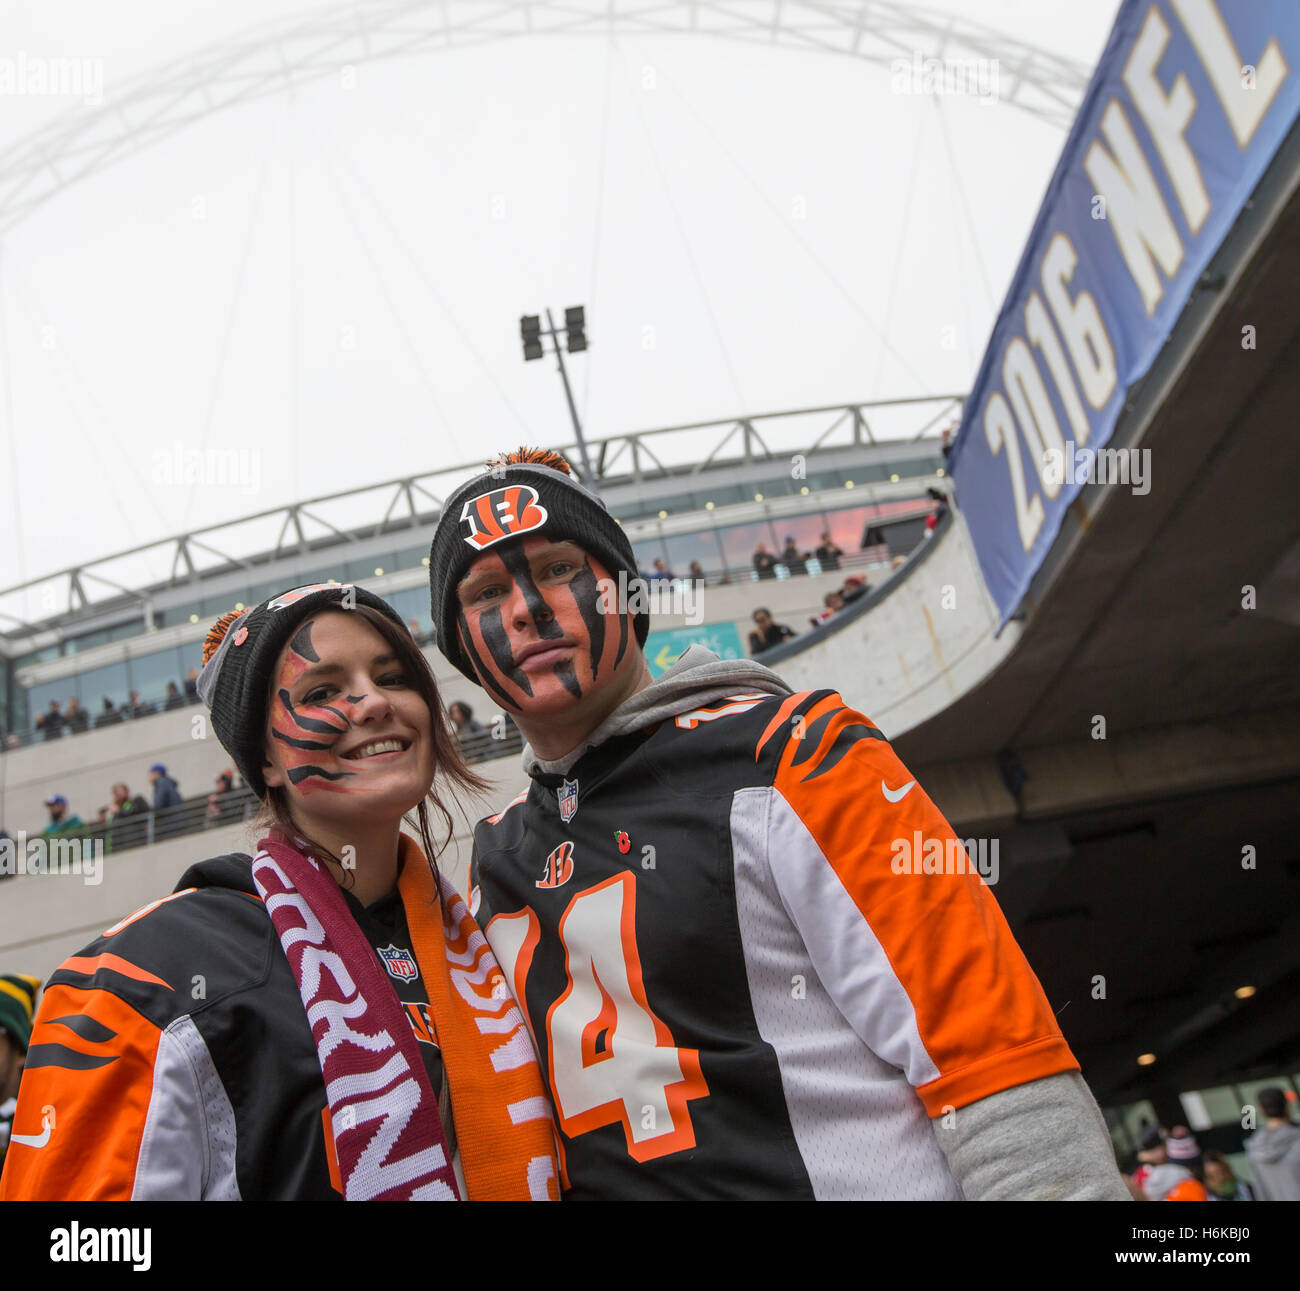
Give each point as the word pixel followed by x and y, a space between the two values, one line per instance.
pixel 1041 1141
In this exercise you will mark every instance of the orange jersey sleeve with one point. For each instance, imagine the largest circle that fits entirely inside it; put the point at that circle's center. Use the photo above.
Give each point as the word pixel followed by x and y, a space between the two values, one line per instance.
pixel 83 1100
pixel 903 928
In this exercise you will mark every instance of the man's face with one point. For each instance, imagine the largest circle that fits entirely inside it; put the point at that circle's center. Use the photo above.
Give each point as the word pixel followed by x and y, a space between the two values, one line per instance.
pixel 119 794
pixel 56 810
pixel 764 621
pixel 534 627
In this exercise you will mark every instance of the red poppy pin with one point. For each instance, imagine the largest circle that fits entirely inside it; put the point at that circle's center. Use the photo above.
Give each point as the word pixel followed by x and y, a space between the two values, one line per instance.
pixel 624 842
pixel 241 636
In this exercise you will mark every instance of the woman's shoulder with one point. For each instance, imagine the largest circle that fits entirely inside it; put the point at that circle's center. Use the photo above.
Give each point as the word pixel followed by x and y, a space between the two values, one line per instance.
pixel 177 954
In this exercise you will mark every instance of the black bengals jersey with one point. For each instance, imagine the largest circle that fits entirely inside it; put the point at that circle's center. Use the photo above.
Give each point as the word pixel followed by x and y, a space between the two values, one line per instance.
pixel 735 988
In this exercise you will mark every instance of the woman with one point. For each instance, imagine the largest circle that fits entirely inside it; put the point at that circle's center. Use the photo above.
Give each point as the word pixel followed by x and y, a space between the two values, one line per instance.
pixel 462 718
pixel 324 1019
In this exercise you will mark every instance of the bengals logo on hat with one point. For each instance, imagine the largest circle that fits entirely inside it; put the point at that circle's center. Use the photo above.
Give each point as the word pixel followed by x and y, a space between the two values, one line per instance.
pixel 503 513
pixel 298 593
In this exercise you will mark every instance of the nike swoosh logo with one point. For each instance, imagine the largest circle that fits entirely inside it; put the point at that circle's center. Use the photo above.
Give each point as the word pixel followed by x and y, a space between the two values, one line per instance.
pixel 33 1140
pixel 897 795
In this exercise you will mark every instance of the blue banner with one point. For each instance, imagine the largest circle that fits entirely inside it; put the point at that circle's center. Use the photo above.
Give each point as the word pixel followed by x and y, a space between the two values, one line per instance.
pixel 1189 104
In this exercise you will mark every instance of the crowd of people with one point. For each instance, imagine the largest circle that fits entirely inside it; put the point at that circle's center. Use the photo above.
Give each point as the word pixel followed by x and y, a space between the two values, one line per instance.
pixel 67 717
pixel 133 820
pixel 1172 1167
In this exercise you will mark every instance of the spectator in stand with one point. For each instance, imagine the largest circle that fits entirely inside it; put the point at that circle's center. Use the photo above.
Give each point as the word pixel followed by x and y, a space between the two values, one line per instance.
pixel 109 716
pixel 769 634
pixel 76 719
pixel 854 586
pixel 792 560
pixel 697 571
pixel 168 804
pixel 1220 1181
pixel 165 791
pixel 418 634
pixel 661 570
pixel 462 718
pixel 834 603
pixel 17 1007
pixel 764 562
pixel 139 707
pixel 174 697
pixel 61 820
pixel 129 817
pixel 828 554
pixel 219 808
pixel 50 724
pixel 1274 1150
pixel 192 687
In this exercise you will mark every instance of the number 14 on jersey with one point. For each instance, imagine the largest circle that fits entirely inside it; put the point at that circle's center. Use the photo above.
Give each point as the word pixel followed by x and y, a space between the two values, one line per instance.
pixel 610 1057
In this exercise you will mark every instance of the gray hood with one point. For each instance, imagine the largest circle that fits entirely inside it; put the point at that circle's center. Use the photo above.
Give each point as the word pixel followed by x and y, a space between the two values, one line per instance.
pixel 698 677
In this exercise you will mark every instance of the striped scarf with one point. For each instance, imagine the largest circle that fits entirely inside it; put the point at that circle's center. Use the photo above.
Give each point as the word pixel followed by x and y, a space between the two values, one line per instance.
pixel 388 1134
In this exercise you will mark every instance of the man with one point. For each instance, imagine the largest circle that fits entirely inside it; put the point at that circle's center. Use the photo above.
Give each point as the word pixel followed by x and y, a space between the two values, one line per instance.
pixel 1274 1150
pixel 732 991
pixel 167 802
pixel 793 559
pixel 17 1006
pixel 130 818
pixel 51 724
pixel 828 554
pixel 76 719
pixel 764 562
pixel 769 634
pixel 61 820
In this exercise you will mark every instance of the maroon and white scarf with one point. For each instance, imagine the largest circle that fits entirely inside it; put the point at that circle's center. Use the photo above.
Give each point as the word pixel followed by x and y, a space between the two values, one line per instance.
pixel 388 1134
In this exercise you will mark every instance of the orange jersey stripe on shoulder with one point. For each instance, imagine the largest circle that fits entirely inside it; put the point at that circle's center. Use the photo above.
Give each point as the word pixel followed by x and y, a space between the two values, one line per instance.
pixel 83 1100
pixel 91 964
pixel 980 1011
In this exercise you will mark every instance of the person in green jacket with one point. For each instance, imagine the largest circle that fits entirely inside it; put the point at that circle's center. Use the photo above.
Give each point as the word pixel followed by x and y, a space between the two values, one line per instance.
pixel 62 821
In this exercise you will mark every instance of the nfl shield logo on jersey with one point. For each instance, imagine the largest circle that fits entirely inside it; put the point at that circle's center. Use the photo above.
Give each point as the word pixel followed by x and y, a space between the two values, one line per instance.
pixel 568 796
pixel 400 963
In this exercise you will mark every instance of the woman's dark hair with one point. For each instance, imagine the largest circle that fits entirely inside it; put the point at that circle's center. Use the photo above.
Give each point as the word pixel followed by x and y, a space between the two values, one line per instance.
pixel 464 708
pixel 448 762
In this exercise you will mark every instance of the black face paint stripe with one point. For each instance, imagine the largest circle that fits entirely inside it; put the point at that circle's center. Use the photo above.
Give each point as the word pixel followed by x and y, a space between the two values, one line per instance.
pixel 353 699
pixel 308 723
pixel 480 669
pixel 301 643
pixel 341 716
pixel 298 774
pixel 569 678
pixel 539 610
pixel 583 587
pixel 498 644
pixel 299 744
pixel 622 640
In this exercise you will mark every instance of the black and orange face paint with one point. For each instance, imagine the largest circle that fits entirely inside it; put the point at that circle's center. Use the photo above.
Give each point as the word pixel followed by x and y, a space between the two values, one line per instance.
pixel 518 597
pixel 306 734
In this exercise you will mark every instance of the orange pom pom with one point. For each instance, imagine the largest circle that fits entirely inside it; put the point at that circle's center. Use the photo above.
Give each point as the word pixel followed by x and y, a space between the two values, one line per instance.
pixel 533 457
pixel 217 632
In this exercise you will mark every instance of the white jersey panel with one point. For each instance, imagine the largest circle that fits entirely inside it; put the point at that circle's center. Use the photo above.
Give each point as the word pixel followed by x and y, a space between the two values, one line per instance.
pixel 861 1129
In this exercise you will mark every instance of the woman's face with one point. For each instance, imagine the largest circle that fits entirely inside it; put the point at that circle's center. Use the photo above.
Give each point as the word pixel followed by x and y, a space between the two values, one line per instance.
pixel 346 731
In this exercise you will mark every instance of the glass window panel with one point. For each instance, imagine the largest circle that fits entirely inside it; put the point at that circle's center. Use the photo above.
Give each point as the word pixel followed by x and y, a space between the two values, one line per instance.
pixel 133 629
pixel 1222 1105
pixel 702 545
pixel 740 541
pixel 647 551
pixel 150 674
pixel 846 526
pixel 87 641
pixel 721 495
pixel 37 656
pixel 97 684
pixel 410 557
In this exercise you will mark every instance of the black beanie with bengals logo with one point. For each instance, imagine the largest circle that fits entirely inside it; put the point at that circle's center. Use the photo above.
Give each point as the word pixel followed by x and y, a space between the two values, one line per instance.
pixel 239 657
pixel 514 500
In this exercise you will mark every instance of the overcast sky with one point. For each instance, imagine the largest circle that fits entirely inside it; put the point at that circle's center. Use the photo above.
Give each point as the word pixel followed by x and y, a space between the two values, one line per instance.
pixel 329 279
